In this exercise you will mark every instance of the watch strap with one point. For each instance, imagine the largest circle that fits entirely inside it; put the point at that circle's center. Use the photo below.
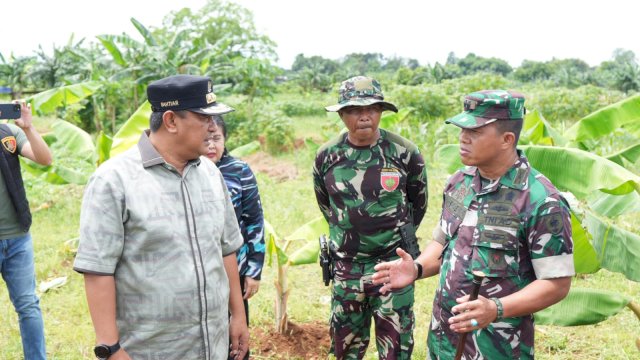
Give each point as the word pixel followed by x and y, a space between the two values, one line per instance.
pixel 419 267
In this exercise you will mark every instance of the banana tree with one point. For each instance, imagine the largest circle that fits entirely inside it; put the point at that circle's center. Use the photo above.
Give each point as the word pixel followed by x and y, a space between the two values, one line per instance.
pixel 73 148
pixel 599 188
pixel 276 247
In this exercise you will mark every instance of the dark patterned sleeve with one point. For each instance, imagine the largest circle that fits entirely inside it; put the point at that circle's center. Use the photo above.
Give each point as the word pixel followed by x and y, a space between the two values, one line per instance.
pixel 322 196
pixel 550 239
pixel 253 220
pixel 417 191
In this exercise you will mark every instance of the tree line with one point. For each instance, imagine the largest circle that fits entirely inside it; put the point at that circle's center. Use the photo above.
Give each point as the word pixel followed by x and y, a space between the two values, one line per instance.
pixel 225 45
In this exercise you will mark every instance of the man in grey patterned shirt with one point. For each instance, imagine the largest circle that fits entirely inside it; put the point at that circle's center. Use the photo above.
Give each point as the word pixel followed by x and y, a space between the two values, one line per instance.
pixel 158 236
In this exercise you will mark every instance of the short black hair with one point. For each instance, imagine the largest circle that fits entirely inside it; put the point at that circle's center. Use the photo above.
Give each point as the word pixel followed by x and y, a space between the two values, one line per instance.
pixel 155 120
pixel 513 126
pixel 220 122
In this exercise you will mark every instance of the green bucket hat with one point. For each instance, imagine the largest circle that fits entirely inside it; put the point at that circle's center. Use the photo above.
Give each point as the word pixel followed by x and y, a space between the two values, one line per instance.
pixel 486 106
pixel 361 91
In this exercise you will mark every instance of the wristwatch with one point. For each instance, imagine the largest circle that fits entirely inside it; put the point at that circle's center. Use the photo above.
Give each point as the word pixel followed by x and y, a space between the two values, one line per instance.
pixel 103 351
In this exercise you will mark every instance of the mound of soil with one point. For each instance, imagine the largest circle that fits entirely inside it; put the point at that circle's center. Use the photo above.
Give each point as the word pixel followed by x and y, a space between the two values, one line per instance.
pixel 276 169
pixel 302 341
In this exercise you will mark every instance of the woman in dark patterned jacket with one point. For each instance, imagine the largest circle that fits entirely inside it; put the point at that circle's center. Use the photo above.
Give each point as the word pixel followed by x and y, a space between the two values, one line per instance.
pixel 243 191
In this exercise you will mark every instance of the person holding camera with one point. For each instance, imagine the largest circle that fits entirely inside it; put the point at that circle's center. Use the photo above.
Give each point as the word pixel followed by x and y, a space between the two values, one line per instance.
pixel 371 186
pixel 16 256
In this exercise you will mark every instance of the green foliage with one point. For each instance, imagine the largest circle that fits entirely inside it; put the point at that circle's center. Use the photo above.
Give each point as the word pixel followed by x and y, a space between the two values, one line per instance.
pixel 302 107
pixel 472 64
pixel 278 132
pixel 606 120
pixel 566 105
pixel 275 128
pixel 583 307
pixel 437 101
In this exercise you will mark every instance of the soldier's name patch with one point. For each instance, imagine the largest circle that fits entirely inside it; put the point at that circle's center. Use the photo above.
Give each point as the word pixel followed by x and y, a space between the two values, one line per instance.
pixel 10 144
pixel 389 179
pixel 498 220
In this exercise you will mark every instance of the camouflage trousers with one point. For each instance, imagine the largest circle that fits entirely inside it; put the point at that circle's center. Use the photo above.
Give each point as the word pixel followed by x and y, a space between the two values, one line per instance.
pixel 355 301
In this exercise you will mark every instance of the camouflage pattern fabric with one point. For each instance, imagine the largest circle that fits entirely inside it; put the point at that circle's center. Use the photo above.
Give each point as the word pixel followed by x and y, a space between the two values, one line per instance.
pixel 361 91
pixel 516 229
pixel 355 301
pixel 486 106
pixel 366 193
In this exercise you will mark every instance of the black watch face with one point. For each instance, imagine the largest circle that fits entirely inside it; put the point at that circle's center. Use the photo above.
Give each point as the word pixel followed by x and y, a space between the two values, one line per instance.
pixel 102 351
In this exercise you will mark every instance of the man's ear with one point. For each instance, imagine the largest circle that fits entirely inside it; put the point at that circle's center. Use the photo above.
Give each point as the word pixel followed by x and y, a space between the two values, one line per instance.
pixel 169 119
pixel 509 139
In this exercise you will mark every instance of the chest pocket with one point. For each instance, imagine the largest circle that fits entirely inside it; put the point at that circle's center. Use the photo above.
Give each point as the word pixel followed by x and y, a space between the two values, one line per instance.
pixel 495 248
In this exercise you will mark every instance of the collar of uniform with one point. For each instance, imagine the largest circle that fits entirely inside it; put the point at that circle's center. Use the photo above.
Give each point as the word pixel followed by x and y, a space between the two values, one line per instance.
pixel 150 156
pixel 515 178
pixel 345 140
pixel 518 174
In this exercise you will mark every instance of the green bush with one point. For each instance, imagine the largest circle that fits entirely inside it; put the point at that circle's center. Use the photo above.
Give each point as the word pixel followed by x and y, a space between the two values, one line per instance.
pixel 564 105
pixel 302 108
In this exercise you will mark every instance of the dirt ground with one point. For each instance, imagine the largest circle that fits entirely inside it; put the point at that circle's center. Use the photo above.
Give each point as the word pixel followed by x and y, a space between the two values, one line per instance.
pixel 309 341
pixel 276 169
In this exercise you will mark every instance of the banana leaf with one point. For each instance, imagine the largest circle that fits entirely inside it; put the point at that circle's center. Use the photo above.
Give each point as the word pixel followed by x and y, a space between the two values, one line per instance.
pixel 108 41
pixel 581 172
pixel 447 158
pixel 605 120
pixel 613 205
pixel 309 232
pixel 130 132
pixel 272 247
pixel 630 154
pixel 582 307
pixel 618 249
pixel 537 130
pixel 74 139
pixel 246 149
pixel 569 169
pixel 103 147
pixel 48 101
pixel 387 121
pixel 146 34
pixel 585 258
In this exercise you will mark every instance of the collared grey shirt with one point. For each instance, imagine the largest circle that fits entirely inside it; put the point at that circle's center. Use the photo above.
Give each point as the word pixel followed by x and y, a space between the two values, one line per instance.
pixel 162 236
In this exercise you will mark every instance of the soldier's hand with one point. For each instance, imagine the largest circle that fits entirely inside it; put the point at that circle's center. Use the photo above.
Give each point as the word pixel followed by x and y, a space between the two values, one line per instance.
pixel 482 310
pixel 395 274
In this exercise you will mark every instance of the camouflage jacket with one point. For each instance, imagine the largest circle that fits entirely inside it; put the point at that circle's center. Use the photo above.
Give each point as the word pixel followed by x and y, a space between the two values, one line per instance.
pixel 367 192
pixel 516 229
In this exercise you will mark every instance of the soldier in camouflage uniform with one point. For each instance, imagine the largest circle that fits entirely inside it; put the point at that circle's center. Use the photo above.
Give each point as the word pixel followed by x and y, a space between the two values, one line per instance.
pixel 499 216
pixel 368 183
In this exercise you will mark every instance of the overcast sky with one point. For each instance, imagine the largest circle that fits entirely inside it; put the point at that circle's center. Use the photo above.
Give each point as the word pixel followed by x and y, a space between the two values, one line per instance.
pixel 425 30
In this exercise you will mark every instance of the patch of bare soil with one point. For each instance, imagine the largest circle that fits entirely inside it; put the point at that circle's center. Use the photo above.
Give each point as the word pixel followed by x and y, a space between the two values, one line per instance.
pixel 308 341
pixel 277 169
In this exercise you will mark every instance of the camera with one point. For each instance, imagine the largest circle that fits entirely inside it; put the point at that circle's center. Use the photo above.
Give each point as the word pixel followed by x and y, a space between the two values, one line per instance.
pixel 10 111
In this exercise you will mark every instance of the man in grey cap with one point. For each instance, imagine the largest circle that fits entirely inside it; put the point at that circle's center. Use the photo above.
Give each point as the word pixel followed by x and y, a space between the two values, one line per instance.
pixel 158 236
